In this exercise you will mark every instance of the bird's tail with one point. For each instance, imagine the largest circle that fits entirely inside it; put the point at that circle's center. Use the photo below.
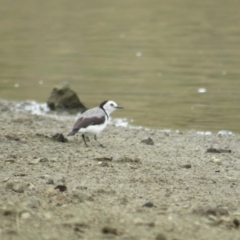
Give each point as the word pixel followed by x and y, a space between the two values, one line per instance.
pixel 73 132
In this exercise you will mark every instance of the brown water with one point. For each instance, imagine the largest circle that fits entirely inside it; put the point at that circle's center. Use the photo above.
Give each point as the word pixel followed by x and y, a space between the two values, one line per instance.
pixel 150 56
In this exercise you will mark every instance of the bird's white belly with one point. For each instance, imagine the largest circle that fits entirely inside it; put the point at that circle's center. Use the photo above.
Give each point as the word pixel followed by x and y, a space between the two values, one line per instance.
pixel 94 129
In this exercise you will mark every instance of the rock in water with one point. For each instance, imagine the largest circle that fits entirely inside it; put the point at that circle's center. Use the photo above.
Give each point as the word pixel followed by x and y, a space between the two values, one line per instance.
pixel 64 98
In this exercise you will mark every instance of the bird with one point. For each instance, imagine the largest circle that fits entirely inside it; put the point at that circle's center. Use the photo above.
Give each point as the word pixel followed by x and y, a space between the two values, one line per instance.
pixel 94 120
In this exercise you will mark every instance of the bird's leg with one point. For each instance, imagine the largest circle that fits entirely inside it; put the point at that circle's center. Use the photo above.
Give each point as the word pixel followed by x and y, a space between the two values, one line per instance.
pixel 83 136
pixel 95 138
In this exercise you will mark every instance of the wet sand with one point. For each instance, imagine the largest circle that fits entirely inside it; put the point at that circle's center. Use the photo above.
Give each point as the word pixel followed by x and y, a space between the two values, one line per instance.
pixel 173 189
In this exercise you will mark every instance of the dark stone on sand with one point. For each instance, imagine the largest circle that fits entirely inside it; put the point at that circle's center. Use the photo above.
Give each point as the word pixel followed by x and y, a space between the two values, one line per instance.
pixel 148 204
pixel 215 150
pixel 109 230
pixel 59 138
pixel 64 98
pixel 20 174
pixel 103 159
pixel 188 165
pixel 50 181
pixel 148 141
pixel 236 222
pixel 43 160
pixel 61 188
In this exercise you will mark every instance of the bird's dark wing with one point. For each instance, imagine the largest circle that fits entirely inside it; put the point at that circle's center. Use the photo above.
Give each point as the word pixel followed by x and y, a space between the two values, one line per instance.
pixel 93 116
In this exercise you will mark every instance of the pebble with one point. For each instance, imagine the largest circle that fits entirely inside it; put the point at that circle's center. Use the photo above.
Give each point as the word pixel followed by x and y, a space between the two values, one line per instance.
pixel 187 165
pixel 59 138
pixel 61 188
pixel 10 161
pixel 5 179
pixel 216 160
pixel 43 160
pixel 31 186
pixel 109 230
pixel 148 141
pixel 148 204
pixel 49 181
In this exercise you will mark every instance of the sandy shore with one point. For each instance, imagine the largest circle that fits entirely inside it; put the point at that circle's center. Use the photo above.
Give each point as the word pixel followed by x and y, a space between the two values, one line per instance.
pixel 173 189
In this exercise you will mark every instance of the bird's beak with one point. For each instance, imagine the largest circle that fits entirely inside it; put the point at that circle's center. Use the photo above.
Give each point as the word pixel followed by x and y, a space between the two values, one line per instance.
pixel 118 107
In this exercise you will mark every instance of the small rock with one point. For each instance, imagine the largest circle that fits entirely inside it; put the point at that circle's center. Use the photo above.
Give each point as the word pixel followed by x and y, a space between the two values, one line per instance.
pixel 148 204
pixel 31 186
pixel 10 161
pixel 33 162
pixel 20 174
pixel 59 138
pixel 61 188
pixel 49 181
pixel 5 179
pixel 187 165
pixel 45 176
pixel 103 159
pixel 236 222
pixel 148 141
pixel 62 97
pixel 109 230
pixel 215 150
pixel 9 211
pixel 38 160
pixel 216 160
pixel 42 160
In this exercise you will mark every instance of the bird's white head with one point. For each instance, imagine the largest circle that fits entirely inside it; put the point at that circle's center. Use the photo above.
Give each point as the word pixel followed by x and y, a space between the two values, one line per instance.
pixel 109 106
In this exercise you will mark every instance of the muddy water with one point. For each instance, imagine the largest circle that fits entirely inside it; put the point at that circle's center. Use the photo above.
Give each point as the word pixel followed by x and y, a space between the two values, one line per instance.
pixel 171 64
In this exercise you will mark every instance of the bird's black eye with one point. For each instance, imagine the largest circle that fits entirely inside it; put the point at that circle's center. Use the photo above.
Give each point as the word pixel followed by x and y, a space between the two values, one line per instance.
pixel 111 104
